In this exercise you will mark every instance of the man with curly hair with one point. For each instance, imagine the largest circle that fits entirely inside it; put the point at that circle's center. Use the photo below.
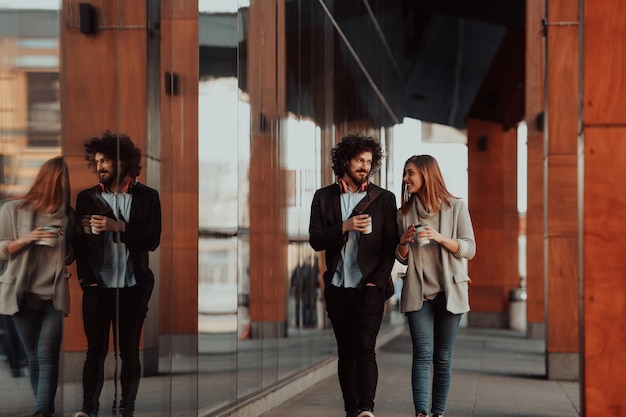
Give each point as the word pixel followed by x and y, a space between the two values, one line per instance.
pixel 120 222
pixel 354 221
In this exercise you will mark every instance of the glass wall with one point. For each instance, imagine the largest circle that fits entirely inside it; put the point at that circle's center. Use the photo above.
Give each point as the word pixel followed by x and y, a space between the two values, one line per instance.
pixel 30 134
pixel 277 83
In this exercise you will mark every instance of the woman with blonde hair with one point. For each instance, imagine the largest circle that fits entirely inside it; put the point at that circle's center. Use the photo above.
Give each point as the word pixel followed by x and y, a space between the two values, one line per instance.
pixel 35 234
pixel 435 288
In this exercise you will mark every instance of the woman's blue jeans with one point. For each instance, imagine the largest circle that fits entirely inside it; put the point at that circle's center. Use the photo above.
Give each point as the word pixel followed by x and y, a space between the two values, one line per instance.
pixel 433 332
pixel 41 331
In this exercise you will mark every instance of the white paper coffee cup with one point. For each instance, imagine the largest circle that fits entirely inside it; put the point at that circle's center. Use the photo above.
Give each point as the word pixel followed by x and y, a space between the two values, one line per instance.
pixel 94 231
pixel 50 241
pixel 368 229
pixel 421 241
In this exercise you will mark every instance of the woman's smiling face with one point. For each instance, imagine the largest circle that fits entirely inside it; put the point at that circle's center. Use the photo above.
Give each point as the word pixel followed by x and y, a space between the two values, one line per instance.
pixel 412 178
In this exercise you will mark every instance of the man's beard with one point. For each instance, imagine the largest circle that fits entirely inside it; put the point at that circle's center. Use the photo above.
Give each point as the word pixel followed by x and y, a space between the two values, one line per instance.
pixel 109 180
pixel 357 180
pixel 112 179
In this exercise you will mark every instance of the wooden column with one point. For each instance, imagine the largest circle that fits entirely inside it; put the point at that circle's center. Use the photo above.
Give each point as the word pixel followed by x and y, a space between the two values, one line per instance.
pixel 112 79
pixel 603 225
pixel 562 89
pixel 492 166
pixel 179 56
pixel 178 168
pixel 102 87
pixel 268 240
pixel 534 114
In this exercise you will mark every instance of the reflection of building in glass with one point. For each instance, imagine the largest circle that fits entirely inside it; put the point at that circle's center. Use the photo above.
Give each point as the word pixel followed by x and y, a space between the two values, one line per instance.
pixel 30 110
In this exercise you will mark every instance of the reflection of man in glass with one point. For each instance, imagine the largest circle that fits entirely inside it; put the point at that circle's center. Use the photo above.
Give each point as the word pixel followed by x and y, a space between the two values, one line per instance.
pixel 359 241
pixel 35 236
pixel 120 220
pixel 304 285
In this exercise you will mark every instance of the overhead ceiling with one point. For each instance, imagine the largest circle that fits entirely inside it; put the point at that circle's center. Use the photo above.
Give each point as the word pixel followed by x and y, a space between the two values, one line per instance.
pixel 437 61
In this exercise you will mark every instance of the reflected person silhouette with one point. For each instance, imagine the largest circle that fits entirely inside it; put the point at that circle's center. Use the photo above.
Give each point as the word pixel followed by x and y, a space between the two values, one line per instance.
pixel 11 346
pixel 120 222
pixel 35 235
pixel 304 285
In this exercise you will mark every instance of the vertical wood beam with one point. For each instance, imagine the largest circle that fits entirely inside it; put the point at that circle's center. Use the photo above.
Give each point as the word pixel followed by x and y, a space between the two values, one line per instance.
pixel 268 240
pixel 534 111
pixel 562 89
pixel 101 88
pixel 179 169
pixel 492 166
pixel 603 225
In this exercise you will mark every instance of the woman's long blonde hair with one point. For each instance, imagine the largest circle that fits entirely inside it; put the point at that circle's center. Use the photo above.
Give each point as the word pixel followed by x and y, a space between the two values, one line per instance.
pixel 433 192
pixel 51 189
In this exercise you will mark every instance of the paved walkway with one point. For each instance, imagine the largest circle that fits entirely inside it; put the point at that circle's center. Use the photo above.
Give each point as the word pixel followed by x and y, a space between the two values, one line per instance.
pixel 496 373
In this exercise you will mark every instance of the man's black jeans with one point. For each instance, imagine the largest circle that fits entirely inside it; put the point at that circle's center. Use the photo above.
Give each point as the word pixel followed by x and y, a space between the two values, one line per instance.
pixel 99 315
pixel 356 316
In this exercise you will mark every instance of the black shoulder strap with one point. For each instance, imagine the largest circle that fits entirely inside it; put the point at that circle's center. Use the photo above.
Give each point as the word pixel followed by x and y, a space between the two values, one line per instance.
pixel 372 194
pixel 101 203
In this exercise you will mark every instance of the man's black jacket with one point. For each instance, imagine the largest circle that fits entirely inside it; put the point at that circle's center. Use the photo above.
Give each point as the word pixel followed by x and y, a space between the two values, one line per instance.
pixel 376 250
pixel 143 233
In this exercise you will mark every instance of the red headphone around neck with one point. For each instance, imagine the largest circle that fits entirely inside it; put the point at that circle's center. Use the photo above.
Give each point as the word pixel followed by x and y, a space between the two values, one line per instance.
pixel 129 184
pixel 345 188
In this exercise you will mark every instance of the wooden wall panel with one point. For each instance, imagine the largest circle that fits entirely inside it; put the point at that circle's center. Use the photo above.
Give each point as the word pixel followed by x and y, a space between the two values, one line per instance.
pixel 102 87
pixel 268 240
pixel 604 288
pixel 563 121
pixel 563 289
pixel 535 256
pixel 563 73
pixel 179 9
pixel 605 31
pixel 562 205
pixel 563 10
pixel 493 177
pixel 179 169
pixel 112 15
pixel 534 116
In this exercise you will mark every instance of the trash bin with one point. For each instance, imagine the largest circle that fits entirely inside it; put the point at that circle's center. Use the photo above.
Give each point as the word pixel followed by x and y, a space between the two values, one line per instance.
pixel 517 309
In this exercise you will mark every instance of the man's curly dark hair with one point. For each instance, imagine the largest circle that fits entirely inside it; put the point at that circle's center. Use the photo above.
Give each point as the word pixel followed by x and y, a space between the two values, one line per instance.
pixel 117 147
pixel 350 146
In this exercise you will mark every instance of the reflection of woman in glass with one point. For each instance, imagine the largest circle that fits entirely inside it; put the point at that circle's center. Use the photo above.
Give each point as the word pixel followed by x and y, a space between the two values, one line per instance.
pixel 435 288
pixel 35 231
